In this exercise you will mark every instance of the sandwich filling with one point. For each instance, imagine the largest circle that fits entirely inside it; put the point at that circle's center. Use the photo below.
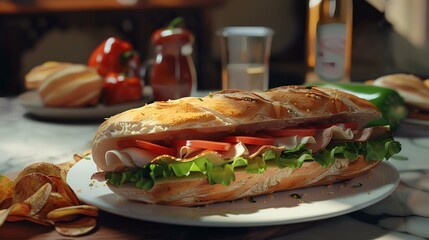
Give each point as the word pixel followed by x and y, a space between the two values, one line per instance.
pixel 144 163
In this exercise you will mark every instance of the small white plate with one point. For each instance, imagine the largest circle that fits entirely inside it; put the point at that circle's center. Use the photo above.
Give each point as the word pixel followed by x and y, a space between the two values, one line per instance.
pixel 278 208
pixel 32 103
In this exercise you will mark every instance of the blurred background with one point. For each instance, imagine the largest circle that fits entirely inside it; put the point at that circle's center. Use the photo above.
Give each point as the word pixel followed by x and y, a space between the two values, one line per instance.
pixel 388 36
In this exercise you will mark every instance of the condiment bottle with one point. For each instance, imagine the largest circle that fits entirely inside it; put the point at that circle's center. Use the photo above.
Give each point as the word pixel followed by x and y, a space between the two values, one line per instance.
pixel 172 74
pixel 329 40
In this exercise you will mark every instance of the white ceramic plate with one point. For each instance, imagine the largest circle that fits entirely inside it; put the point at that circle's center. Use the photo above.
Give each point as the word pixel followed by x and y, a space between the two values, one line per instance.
pixel 279 208
pixel 32 103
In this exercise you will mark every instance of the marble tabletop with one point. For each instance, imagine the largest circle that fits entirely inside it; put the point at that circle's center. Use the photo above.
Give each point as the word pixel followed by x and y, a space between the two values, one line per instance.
pixel 402 215
pixel 25 139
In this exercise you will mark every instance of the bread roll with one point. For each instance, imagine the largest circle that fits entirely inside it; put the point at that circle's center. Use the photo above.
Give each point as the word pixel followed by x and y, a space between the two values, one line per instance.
pixel 73 86
pixel 234 112
pixel 410 87
pixel 38 74
pixel 231 111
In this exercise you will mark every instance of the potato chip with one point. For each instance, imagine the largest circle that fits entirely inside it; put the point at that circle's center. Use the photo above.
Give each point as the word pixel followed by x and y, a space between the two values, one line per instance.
pixel 6 203
pixel 45 168
pixel 39 198
pixel 54 201
pixel 45 222
pixel 76 228
pixel 72 210
pixel 64 189
pixel 3 215
pixel 17 209
pixel 68 218
pixel 20 209
pixel 27 185
pixel 65 167
pixel 79 156
pixel 5 188
pixel 41 194
pixel 71 195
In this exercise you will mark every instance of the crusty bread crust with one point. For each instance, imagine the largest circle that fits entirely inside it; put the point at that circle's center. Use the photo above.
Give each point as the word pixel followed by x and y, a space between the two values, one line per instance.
pixel 231 112
pixel 235 112
pixel 38 74
pixel 74 85
pixel 410 87
pixel 197 191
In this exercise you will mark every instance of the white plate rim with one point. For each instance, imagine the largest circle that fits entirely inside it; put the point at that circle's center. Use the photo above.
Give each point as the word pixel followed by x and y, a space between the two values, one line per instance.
pixel 379 184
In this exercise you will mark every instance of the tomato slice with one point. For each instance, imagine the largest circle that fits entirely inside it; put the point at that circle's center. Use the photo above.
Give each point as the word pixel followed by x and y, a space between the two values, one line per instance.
pixel 203 144
pixel 292 131
pixel 257 139
pixel 155 148
pixel 351 125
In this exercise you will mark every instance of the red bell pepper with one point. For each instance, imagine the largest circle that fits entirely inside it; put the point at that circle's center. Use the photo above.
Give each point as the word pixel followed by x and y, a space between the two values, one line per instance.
pixel 115 55
pixel 118 88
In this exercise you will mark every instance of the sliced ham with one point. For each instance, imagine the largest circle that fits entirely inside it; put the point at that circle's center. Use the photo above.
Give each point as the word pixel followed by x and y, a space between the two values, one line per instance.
pixel 363 135
pixel 129 157
pixel 325 136
pixel 99 176
pixel 136 157
pixel 292 141
pixel 374 133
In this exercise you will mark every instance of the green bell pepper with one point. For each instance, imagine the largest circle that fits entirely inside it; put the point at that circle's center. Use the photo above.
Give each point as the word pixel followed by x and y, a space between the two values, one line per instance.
pixel 388 101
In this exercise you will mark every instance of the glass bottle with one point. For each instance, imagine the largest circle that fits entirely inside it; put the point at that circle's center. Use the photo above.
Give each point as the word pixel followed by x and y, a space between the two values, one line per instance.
pixel 173 71
pixel 329 40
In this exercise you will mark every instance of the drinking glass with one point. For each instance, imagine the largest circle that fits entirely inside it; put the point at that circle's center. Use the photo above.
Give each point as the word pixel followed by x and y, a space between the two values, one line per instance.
pixel 245 53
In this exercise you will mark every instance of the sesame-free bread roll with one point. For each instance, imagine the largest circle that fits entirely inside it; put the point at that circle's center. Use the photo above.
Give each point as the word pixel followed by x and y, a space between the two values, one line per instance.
pixel 233 112
pixel 38 74
pixel 73 86
pixel 410 87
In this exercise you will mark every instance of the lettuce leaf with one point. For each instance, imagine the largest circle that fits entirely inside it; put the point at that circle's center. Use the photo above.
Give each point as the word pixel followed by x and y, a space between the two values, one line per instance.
pixel 256 165
pixel 347 150
pixel 294 158
pixel 220 174
pixel 378 149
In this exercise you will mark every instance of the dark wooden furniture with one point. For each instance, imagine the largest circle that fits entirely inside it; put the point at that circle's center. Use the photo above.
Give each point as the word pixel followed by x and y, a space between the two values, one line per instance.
pixel 23 23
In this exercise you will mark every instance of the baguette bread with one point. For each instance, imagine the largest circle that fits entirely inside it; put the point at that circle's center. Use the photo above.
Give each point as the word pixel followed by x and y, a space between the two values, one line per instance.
pixel 38 74
pixel 74 85
pixel 232 112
